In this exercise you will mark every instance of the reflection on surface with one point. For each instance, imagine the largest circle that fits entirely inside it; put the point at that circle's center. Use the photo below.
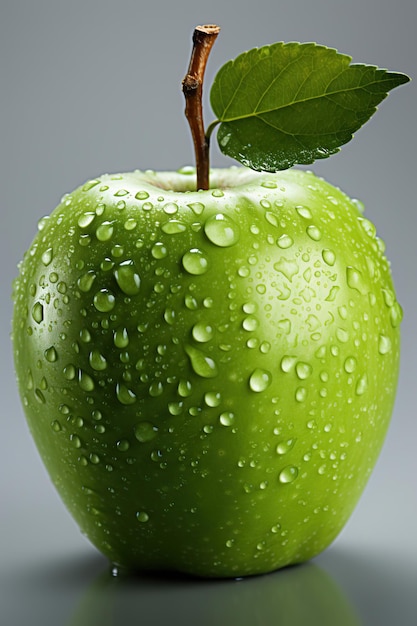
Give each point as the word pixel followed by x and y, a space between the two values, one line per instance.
pixel 298 596
pixel 342 587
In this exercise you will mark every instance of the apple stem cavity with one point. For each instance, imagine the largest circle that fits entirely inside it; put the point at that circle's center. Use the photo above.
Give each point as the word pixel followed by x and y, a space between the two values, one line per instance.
pixel 192 86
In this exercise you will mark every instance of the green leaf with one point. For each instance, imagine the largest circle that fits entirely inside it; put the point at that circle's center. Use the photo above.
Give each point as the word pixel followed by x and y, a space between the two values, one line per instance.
pixel 293 103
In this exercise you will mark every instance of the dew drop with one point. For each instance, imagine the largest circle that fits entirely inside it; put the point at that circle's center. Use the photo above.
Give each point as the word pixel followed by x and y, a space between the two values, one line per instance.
pixel 104 232
pixel 195 262
pixel 361 385
pixel 384 344
pixel 313 232
pixel 250 323
pixel 304 212
pixel 260 380
pixel 142 195
pixel 127 278
pixel 288 474
pixel 173 227
pixel 37 312
pixel 329 256
pixel 354 279
pixel 170 208
pixel 301 394
pixel 142 517
pixel 202 365
pixel 124 394
pixel 226 419
pixel 156 389
pixel 86 219
pixel 350 364
pixel 47 256
pixel 121 338
pixel 212 398
pixel 97 360
pixel 145 431
pixel 222 230
pixel 202 332
pixel 104 301
pixel 70 372
pixel 184 388
pixel 159 250
pixel 287 363
pixel 51 354
pixel 285 446
pixel 303 370
pixel 123 445
pixel 56 426
pixel 196 207
pixel 284 241
pixel 85 282
pixel 85 381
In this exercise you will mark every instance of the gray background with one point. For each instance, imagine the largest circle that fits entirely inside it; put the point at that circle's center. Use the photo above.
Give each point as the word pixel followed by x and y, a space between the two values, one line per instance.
pixel 91 87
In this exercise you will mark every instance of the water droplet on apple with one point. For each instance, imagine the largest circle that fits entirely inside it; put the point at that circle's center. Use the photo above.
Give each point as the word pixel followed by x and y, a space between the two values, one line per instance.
pixel 56 426
pixel 226 419
pixel 300 394
pixel 86 219
pixel 212 398
pixel 47 256
pixel 124 394
pixel 76 441
pixel 384 344
pixel 260 380
pixel 142 517
pixel 127 278
pixel 350 364
pixel 170 208
pixel 202 332
pixel 202 365
pixel 173 227
pixel 272 218
pixel 196 207
pixel 287 363
pixel 250 323
pixel 145 431
pixel 121 338
pixel 37 312
pixel 313 232
pixel 222 230
pixel 303 370
pixel 85 282
pixel 51 355
pixel 288 474
pixel 159 250
pixel 69 372
pixel 355 279
pixel 104 301
pixel 85 381
pixel 285 446
pixel 97 361
pixel 169 316
pixel 104 232
pixel 284 241
pixel 329 256
pixel 342 335
pixel 156 389
pixel 304 212
pixel 361 385
pixel 130 224
pixel 142 195
pixel 185 388
pixel 194 262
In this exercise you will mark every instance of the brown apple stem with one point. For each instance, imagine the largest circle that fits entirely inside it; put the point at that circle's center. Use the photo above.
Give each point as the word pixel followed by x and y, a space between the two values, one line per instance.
pixel 192 86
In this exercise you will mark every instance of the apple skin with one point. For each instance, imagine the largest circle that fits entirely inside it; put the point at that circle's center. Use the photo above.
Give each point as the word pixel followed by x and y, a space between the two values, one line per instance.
pixel 208 376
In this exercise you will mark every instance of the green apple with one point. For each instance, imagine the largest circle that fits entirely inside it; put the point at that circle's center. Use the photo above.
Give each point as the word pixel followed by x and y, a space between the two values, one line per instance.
pixel 208 375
